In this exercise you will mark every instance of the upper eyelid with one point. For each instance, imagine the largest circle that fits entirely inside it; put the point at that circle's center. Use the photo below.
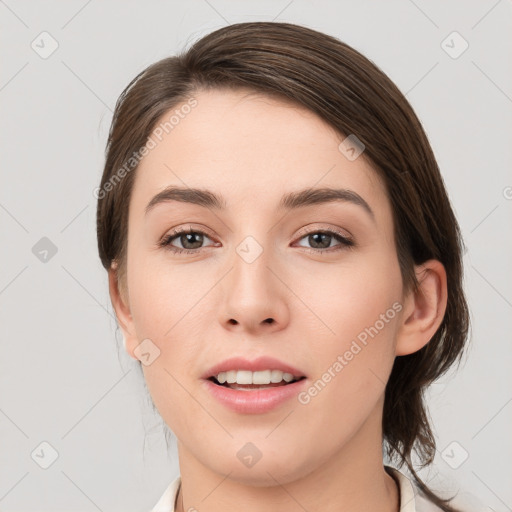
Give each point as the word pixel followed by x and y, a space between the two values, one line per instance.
pixel 188 228
pixel 336 230
pixel 303 232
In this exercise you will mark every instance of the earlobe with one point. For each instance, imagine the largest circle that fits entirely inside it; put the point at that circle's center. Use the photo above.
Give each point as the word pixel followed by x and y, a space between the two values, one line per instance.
pixel 122 311
pixel 425 308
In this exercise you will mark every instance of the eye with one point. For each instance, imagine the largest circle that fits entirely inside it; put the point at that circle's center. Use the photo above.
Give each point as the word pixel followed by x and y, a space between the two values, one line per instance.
pixel 321 240
pixel 190 240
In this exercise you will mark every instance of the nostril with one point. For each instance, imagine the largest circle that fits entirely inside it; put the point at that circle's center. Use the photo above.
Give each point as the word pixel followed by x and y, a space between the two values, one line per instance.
pixel 269 320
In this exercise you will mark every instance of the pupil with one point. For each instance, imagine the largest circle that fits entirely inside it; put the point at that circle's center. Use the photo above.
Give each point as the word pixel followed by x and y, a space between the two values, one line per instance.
pixel 186 238
pixel 316 235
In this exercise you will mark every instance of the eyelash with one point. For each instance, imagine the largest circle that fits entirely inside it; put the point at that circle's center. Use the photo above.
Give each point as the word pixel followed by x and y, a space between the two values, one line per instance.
pixel 346 243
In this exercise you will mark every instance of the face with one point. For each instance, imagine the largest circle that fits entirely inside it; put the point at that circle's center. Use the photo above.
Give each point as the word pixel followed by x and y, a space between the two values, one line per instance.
pixel 314 285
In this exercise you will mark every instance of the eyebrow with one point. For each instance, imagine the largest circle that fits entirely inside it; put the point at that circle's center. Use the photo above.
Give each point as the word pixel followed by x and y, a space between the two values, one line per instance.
pixel 289 201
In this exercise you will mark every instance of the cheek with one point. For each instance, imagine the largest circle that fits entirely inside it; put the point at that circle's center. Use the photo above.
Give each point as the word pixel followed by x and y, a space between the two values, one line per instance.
pixel 344 299
pixel 352 366
pixel 161 294
pixel 165 309
pixel 358 306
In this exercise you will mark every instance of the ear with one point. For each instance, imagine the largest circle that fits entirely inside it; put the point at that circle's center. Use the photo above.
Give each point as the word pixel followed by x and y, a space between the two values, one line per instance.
pixel 424 309
pixel 122 309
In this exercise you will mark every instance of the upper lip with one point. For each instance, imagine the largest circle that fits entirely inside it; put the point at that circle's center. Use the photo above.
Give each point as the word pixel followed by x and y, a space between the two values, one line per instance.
pixel 261 363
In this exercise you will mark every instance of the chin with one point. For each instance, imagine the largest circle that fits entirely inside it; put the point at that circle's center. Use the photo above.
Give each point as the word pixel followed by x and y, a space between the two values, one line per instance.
pixel 268 471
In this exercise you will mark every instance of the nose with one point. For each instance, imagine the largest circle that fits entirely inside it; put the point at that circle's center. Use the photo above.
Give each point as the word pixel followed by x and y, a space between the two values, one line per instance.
pixel 255 297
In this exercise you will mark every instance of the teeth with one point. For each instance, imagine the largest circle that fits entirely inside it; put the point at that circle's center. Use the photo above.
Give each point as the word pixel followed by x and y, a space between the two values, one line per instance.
pixel 248 377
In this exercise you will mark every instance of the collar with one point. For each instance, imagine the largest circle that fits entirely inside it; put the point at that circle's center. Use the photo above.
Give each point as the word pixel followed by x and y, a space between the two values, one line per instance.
pixel 407 496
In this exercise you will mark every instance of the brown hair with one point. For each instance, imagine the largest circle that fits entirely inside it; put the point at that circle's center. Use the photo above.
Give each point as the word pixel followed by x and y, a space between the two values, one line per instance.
pixel 354 96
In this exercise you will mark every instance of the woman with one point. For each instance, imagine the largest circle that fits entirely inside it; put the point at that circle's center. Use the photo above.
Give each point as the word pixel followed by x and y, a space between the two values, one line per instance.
pixel 284 261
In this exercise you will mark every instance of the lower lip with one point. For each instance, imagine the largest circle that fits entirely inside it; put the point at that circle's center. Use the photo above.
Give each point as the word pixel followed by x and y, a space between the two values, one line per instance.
pixel 255 401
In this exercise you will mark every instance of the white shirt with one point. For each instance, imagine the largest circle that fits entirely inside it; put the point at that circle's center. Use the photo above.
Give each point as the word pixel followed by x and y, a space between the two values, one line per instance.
pixel 410 501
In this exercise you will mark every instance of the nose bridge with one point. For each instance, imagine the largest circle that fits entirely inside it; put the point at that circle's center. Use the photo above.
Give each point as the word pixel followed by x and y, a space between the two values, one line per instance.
pixel 251 276
pixel 252 245
pixel 253 294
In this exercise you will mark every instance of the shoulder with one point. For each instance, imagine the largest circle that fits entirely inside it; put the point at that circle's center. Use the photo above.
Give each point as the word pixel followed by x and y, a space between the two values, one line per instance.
pixel 413 500
pixel 410 500
pixel 168 498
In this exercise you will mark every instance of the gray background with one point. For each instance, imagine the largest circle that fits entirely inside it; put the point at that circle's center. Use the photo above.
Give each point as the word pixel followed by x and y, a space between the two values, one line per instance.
pixel 61 378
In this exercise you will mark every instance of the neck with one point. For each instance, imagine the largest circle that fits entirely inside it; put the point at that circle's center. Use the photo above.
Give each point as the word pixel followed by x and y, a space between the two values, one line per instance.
pixel 352 479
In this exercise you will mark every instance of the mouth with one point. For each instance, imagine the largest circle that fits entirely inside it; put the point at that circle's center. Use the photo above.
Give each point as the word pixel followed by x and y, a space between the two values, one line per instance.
pixel 261 373
pixel 254 392
pixel 248 387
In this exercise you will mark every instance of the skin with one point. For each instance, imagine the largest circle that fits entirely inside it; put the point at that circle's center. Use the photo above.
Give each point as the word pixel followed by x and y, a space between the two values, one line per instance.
pixel 202 308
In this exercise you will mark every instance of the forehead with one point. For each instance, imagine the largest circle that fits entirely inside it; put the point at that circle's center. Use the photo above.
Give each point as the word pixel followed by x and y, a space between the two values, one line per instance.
pixel 250 148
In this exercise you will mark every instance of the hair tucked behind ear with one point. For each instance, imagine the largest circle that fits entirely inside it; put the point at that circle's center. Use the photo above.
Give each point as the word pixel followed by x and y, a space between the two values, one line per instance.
pixel 350 93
